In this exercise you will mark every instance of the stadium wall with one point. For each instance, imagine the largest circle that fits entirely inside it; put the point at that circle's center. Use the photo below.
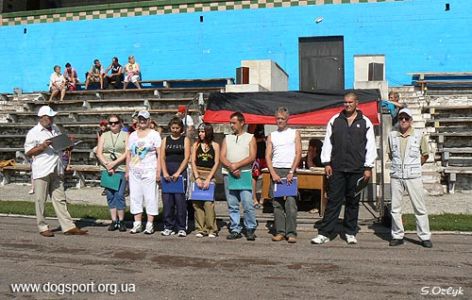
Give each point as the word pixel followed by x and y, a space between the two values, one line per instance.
pixel 210 40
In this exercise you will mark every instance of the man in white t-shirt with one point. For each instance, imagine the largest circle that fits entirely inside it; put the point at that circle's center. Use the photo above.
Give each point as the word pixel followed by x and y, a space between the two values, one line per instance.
pixel 187 120
pixel 283 154
pixel 48 170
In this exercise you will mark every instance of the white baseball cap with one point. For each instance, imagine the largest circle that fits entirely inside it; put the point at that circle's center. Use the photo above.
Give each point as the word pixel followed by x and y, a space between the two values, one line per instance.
pixel 46 111
pixel 406 111
pixel 144 114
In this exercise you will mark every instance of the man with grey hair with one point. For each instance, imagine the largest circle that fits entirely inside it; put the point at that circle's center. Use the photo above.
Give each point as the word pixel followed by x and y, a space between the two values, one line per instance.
pixel 283 154
pixel 408 149
pixel 48 170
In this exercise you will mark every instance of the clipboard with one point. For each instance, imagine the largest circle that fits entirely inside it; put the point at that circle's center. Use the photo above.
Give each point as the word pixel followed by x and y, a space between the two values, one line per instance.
pixel 173 187
pixel 110 181
pixel 201 194
pixel 61 142
pixel 284 189
pixel 244 182
pixel 360 185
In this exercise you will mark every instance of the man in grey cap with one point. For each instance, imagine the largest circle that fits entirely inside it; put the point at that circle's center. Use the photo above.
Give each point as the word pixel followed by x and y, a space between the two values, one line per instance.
pixel 47 172
pixel 408 150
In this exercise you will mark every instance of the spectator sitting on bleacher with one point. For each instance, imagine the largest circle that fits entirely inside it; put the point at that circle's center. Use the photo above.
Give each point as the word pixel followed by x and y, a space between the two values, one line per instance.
pixel 102 128
pixel 70 74
pixel 116 77
pixel 133 73
pixel 57 83
pixel 393 105
pixel 95 74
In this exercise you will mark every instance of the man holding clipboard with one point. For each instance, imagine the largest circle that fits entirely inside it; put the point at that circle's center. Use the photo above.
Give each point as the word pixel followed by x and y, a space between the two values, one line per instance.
pixel 283 154
pixel 238 152
pixel 47 173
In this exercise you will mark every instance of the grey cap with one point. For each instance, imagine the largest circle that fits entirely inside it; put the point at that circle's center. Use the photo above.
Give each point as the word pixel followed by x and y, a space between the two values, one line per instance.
pixel 144 114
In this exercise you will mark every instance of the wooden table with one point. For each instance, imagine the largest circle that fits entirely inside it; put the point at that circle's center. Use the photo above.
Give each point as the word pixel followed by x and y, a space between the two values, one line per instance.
pixel 313 179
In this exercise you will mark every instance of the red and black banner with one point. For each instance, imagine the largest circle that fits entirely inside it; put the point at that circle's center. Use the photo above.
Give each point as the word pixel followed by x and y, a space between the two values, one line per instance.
pixel 305 108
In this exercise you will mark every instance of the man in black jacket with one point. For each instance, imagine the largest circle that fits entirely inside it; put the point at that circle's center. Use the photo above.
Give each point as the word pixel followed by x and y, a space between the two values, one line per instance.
pixel 349 154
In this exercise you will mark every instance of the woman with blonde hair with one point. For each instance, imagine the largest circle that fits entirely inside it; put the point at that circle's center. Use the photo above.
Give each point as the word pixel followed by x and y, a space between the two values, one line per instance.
pixel 112 152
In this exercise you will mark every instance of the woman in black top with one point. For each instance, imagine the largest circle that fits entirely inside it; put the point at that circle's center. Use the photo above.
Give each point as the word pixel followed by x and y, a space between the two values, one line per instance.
pixel 205 161
pixel 175 153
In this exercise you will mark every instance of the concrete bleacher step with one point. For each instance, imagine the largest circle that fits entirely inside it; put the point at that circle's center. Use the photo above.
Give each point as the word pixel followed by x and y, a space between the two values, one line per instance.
pixel 160 115
pixel 110 104
pixel 135 94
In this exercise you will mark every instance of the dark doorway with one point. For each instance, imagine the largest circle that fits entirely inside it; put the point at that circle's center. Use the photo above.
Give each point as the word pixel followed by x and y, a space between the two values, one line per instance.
pixel 321 62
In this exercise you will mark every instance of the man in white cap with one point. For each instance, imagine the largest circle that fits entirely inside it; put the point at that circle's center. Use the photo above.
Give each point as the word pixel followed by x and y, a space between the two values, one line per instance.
pixel 408 150
pixel 47 169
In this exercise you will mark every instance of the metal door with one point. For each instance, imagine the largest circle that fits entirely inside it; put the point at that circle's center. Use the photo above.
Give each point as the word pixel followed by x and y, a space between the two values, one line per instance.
pixel 321 62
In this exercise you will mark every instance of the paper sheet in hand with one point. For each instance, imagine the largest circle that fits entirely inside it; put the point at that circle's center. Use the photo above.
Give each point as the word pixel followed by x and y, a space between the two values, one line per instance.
pixel 360 185
pixel 203 195
pixel 61 142
pixel 174 187
pixel 110 181
pixel 243 182
pixel 284 189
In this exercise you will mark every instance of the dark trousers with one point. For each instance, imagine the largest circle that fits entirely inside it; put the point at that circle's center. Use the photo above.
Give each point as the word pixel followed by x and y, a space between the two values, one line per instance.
pixel 341 185
pixel 114 81
pixel 175 211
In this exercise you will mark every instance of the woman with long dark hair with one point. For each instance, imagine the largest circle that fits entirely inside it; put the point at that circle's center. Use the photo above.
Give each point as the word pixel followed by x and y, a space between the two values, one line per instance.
pixel 175 154
pixel 205 161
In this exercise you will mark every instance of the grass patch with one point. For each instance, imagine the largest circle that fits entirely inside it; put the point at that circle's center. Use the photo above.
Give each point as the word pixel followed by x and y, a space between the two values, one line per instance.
pixel 444 222
pixel 93 212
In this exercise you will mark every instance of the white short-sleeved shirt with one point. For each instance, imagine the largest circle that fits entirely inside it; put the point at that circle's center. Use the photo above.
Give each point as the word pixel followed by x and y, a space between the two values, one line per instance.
pixel 46 162
pixel 188 121
pixel 143 150
pixel 57 79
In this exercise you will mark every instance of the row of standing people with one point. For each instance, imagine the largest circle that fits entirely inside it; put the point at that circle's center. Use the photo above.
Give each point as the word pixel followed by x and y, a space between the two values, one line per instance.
pixel 348 153
pixel 114 76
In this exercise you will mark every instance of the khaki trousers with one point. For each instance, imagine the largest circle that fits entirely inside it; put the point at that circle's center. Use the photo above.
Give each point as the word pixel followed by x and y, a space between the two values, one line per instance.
pixel 53 186
pixel 205 217
pixel 414 187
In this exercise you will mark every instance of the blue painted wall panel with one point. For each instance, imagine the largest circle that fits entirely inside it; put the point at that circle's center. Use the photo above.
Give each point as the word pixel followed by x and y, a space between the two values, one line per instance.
pixel 416 35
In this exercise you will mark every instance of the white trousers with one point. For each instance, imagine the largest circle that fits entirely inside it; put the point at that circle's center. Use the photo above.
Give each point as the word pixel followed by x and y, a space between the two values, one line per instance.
pixel 142 192
pixel 415 190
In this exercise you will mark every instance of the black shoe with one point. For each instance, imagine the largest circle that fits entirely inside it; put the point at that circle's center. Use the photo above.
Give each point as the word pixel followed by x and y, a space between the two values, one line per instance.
pixel 250 235
pixel 113 226
pixel 427 244
pixel 396 242
pixel 234 236
pixel 122 226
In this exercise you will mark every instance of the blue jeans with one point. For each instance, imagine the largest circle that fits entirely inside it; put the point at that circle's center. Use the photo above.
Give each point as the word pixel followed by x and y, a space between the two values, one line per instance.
pixel 233 197
pixel 116 199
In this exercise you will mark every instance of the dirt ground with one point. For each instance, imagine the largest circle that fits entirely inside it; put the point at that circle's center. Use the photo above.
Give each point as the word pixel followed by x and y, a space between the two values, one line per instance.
pixel 191 268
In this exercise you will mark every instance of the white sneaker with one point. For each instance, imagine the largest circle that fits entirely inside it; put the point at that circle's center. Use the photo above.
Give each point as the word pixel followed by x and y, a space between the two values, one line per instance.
pixel 212 235
pixel 31 192
pixel 167 232
pixel 182 233
pixel 351 239
pixel 137 228
pixel 199 235
pixel 149 228
pixel 320 239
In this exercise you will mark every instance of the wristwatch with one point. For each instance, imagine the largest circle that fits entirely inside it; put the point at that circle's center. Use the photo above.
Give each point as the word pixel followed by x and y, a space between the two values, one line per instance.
pixel 290 172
